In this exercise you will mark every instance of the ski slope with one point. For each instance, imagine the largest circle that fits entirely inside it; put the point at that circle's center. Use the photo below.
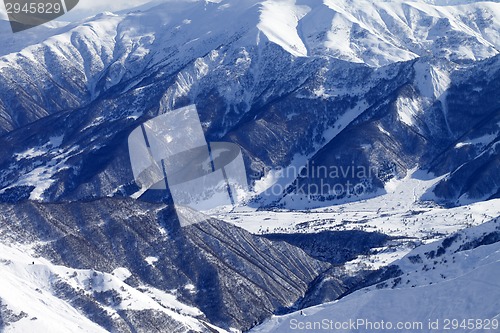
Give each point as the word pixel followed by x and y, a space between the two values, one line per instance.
pixel 457 285
pixel 405 212
pixel 31 299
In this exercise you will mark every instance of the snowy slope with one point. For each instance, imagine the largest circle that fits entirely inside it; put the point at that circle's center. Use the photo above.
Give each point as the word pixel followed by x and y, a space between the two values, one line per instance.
pixel 453 279
pixel 372 32
pixel 129 266
pixel 121 67
pixel 16 42
pixel 404 212
pixel 27 303
pixel 31 300
pixel 479 288
pixel 288 80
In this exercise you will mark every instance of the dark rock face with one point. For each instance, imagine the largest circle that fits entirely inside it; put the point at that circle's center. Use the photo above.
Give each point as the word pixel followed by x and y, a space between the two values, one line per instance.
pixel 239 279
pixel 7 316
pixel 335 247
pixel 381 125
pixel 276 106
pixel 474 180
pixel 383 146
pixel 474 117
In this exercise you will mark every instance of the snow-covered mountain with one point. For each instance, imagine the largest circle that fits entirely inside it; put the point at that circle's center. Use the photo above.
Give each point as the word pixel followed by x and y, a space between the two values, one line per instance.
pixel 405 89
pixel 347 69
pixel 129 266
pixel 109 49
pixel 56 294
pixel 416 291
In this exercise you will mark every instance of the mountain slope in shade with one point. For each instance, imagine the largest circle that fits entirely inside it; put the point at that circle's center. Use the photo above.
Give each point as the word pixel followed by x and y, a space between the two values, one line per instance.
pixel 281 61
pixel 83 154
pixel 211 271
pixel 452 279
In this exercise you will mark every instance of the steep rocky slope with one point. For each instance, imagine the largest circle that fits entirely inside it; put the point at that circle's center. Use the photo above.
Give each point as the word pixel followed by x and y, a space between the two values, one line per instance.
pixel 403 78
pixel 232 278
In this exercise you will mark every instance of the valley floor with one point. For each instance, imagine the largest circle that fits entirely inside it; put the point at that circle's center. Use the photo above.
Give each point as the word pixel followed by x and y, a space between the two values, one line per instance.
pixel 405 212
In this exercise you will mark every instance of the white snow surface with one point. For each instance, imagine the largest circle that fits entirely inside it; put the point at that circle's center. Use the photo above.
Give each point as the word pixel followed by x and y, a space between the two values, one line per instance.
pixel 460 286
pixel 405 212
pixel 372 32
pixel 111 48
pixel 27 290
pixel 279 20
